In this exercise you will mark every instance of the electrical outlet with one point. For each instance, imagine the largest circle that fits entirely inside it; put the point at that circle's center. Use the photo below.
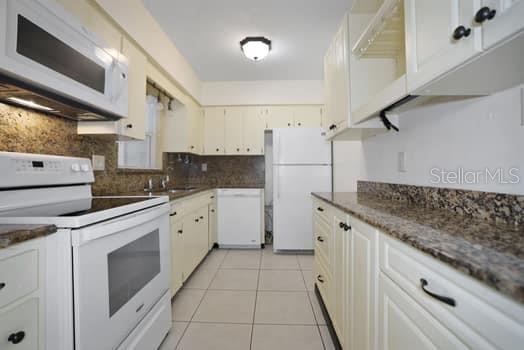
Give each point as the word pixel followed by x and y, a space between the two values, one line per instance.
pixel 204 167
pixel 401 162
pixel 99 163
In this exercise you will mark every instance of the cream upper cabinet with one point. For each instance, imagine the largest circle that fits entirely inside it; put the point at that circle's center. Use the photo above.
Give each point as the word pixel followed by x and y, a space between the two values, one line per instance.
pixel 134 125
pixel 281 117
pixel 440 35
pixel 499 19
pixel 195 127
pixel 254 124
pixel 183 128
pixel 214 127
pixel 234 130
pixel 336 80
pixel 307 116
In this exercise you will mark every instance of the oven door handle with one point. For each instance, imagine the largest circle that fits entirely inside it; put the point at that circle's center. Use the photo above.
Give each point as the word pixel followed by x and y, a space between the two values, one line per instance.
pixel 107 228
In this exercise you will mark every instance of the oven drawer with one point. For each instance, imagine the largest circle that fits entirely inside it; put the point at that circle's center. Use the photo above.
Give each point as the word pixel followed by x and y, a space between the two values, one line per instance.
pixel 19 327
pixel 18 276
pixel 478 310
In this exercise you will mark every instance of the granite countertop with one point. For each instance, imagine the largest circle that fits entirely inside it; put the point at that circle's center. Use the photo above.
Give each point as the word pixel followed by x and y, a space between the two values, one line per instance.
pixel 13 234
pixel 185 193
pixel 491 253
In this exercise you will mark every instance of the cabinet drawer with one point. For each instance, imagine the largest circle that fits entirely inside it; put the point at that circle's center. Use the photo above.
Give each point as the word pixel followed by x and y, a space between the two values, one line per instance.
pixel 478 310
pixel 322 209
pixel 322 236
pixel 177 210
pixel 23 318
pixel 322 281
pixel 18 276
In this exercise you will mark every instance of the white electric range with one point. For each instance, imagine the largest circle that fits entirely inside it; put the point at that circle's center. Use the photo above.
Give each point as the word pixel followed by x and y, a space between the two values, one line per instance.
pixel 107 267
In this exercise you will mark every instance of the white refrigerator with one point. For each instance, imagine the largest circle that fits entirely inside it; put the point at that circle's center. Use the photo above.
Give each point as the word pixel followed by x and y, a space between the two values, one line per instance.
pixel 301 165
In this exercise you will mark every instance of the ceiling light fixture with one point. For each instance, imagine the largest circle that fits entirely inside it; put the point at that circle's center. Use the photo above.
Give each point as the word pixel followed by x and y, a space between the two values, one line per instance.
pixel 28 103
pixel 255 47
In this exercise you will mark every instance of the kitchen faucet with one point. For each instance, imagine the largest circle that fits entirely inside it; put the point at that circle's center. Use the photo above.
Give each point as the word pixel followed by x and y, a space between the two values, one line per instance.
pixel 165 182
pixel 149 185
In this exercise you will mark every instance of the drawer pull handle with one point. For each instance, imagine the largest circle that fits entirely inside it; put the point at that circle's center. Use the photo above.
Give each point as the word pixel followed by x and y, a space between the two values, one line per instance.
pixel 17 337
pixel 320 239
pixel 447 300
pixel 320 279
pixel 172 214
pixel 320 209
pixel 2 285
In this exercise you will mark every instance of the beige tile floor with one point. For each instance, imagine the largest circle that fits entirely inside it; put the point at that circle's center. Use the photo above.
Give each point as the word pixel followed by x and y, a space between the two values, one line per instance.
pixel 249 300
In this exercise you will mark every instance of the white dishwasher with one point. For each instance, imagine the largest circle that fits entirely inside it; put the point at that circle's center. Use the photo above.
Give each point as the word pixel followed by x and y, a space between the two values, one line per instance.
pixel 240 217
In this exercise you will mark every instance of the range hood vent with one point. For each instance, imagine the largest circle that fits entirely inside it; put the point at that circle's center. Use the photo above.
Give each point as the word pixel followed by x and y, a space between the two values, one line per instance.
pixel 21 94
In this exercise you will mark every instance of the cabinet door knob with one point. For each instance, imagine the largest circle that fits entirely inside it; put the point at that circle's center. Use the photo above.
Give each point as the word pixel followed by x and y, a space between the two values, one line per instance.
pixel 196 220
pixel 341 224
pixel 347 227
pixel 320 279
pixel 2 285
pixel 218 149
pixel 320 209
pixel 129 126
pixel 238 149
pixel 332 126
pixel 445 300
pixel 17 337
pixel 192 147
pixel 172 214
pixel 320 239
pixel 212 210
pixel 461 32
pixel 485 13
pixel 248 149
pixel 299 124
pixel 201 218
pixel 288 124
pixel 180 231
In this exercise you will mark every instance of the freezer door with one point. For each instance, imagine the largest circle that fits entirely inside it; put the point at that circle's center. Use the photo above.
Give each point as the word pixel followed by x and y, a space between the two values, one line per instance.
pixel 300 146
pixel 292 218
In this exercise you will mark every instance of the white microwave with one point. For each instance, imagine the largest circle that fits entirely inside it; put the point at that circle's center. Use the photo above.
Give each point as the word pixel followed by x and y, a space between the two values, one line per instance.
pixel 51 62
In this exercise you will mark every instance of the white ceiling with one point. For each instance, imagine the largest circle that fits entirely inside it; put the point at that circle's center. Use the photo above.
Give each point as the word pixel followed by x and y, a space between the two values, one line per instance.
pixel 207 32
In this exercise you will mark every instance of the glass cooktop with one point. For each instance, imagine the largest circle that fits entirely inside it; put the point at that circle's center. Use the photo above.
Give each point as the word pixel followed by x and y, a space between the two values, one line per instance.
pixel 97 204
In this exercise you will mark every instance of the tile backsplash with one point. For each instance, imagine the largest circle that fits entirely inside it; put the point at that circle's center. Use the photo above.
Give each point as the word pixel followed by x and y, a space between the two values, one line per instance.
pixel 28 131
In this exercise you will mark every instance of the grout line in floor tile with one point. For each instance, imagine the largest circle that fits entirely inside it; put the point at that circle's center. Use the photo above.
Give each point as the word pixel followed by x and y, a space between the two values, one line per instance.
pixel 314 314
pixel 255 308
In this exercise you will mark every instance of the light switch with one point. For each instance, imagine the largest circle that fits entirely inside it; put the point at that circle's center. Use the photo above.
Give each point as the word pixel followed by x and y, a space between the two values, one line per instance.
pixel 204 167
pixel 99 163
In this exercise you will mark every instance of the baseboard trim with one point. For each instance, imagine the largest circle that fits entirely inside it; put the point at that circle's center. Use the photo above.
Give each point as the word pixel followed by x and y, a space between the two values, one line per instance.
pixel 329 323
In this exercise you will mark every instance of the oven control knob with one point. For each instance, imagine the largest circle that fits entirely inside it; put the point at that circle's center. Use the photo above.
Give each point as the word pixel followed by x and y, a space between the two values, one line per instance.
pixel 85 168
pixel 75 167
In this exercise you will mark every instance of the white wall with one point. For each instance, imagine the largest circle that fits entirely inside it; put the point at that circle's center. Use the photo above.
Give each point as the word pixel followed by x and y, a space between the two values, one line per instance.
pixel 346 171
pixel 262 92
pixel 471 134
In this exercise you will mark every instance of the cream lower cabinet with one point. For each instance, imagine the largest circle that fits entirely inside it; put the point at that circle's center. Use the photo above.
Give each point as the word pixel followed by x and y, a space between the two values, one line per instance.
pixel 213 225
pixel 190 234
pixel 375 297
